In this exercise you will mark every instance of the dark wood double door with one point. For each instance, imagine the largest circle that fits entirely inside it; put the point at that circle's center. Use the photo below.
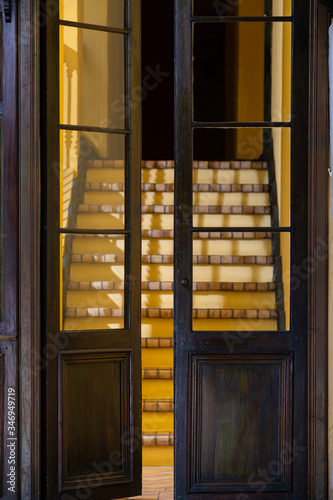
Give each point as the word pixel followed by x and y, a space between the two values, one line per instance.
pixel 240 391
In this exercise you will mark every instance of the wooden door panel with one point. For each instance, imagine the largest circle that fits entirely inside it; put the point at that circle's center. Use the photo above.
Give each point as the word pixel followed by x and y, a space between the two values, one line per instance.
pixel 92 441
pixel 241 414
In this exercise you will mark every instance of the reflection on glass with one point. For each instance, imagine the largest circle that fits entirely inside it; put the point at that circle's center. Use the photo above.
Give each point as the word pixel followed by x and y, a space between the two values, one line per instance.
pixel 232 81
pixel 92 78
pixel 92 173
pixel 241 281
pixel 241 177
pixel 93 281
pixel 109 12
pixel 250 8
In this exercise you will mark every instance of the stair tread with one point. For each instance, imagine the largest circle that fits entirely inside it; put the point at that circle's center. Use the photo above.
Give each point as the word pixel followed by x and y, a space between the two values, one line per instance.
pixel 168 286
pixel 248 235
pixel 161 164
pixel 158 405
pixel 157 373
pixel 197 313
pixel 157 342
pixel 102 258
pixel 240 164
pixel 157 439
pixel 162 187
pixel 169 234
pixel 169 209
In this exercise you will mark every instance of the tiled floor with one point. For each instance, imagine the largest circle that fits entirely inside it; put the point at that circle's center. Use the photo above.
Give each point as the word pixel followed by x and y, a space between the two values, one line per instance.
pixel 157 483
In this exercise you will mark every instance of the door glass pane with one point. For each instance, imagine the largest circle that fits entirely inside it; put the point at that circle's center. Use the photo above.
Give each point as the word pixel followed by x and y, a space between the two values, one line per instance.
pixel 106 13
pixel 92 178
pixel 92 78
pixel 241 177
pixel 223 8
pixel 93 281
pixel 241 281
pixel 235 79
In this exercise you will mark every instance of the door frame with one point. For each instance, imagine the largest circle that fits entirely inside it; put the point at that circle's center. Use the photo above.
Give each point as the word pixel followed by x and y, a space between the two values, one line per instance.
pixel 29 258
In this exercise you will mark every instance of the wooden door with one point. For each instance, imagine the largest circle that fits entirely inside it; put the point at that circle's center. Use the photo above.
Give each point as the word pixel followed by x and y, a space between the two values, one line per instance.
pixel 9 330
pixel 240 358
pixel 91 223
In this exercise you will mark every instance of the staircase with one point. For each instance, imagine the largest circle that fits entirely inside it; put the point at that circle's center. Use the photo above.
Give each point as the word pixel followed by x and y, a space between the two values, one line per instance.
pixel 236 276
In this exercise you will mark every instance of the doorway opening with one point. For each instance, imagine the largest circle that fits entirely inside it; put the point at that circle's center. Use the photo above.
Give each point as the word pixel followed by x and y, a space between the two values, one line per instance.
pixel 157 70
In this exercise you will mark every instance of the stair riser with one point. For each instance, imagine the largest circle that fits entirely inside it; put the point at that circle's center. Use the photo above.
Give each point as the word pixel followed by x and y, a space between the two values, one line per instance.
pixel 157 456
pixel 156 327
pixel 165 221
pixel 155 246
pixel 157 389
pixel 157 422
pixel 206 176
pixel 153 358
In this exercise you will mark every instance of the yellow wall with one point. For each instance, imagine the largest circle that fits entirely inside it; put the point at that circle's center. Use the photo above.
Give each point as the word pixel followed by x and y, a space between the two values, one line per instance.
pixel 250 77
pixel 281 108
pixel 91 80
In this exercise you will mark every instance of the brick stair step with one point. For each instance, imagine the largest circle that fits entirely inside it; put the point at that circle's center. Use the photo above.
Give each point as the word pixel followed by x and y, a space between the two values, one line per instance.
pixel 169 209
pixel 243 164
pixel 168 286
pixel 160 342
pixel 212 259
pixel 150 312
pixel 157 373
pixel 213 286
pixel 158 405
pixel 234 313
pixel 163 187
pixel 169 233
pixel 213 313
pixel 106 163
pixel 96 285
pixel 104 186
pixel 155 439
pixel 97 258
pixel 94 312
pixel 199 188
pixel 199 198
pixel 168 259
